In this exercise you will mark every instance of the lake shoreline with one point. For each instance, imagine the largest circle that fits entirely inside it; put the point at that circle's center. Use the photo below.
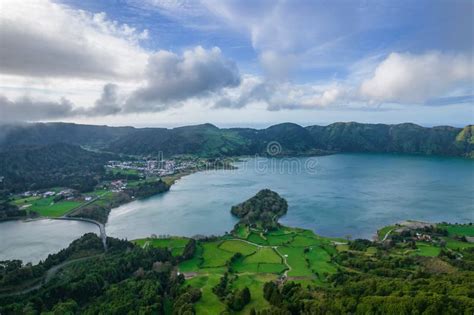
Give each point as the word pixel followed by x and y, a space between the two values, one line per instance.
pixel 199 203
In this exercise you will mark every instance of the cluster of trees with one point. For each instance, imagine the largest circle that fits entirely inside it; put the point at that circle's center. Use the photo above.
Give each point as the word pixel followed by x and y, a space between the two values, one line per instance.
pixel 189 250
pixel 262 209
pixel 446 294
pixel 8 210
pixel 147 189
pixel 14 272
pixel 127 279
pixel 234 299
pixel 360 244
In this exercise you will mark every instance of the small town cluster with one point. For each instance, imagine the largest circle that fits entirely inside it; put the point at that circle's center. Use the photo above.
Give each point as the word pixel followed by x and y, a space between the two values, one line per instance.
pixel 155 167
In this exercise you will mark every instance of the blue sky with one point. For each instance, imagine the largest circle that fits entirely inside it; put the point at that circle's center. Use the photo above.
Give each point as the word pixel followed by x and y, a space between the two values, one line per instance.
pixel 177 62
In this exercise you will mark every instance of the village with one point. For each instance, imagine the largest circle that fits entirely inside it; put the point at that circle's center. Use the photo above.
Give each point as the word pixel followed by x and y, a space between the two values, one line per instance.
pixel 153 167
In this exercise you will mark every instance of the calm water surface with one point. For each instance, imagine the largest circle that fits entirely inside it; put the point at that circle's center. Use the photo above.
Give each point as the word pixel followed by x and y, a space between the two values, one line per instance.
pixel 338 195
pixel 32 241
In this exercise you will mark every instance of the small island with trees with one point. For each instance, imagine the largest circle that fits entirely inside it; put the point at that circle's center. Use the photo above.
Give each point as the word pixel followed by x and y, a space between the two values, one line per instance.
pixel 262 210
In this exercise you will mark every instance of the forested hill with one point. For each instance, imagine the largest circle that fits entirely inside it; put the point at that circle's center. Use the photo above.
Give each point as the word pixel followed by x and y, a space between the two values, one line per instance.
pixel 50 133
pixel 43 166
pixel 209 140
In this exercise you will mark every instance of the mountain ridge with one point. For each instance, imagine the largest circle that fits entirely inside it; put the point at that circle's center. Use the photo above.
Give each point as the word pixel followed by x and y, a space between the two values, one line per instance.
pixel 210 140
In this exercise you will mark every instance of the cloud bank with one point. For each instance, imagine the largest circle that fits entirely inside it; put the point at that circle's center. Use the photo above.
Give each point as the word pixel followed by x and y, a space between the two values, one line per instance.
pixel 172 78
pixel 408 78
pixel 82 52
pixel 40 38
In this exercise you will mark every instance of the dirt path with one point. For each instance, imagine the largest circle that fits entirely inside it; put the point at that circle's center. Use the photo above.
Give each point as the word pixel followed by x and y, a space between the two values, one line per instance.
pixel 275 248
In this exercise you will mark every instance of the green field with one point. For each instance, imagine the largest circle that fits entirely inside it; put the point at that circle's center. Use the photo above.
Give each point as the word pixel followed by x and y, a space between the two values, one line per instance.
pixel 320 261
pixel 427 250
pixel 235 246
pixel 458 229
pixel 263 259
pixel 209 304
pixel 264 255
pixel 242 231
pixel 175 244
pixel 296 259
pixel 213 256
pixel 46 207
pixel 455 244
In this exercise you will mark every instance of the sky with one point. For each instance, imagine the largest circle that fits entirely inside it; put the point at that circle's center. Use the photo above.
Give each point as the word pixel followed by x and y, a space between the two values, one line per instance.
pixel 237 63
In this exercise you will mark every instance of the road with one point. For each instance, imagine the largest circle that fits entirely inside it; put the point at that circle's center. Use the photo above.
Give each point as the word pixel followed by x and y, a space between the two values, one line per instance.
pixel 47 277
pixel 101 226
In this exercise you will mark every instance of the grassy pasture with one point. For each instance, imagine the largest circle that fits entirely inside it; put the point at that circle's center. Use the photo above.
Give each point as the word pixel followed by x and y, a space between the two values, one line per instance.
pixel 319 261
pixel 257 239
pixel 209 304
pixel 304 241
pixel 175 244
pixel 241 266
pixel 455 244
pixel 213 256
pixel 234 246
pixel 295 258
pixel 458 229
pixel 24 201
pixel 192 265
pixel 279 239
pixel 46 207
pixel 255 285
pixel 271 268
pixel 264 255
pixel 427 250
pixel 242 232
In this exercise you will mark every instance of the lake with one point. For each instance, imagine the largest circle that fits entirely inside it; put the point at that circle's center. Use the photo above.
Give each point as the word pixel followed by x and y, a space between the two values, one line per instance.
pixel 337 195
pixel 32 241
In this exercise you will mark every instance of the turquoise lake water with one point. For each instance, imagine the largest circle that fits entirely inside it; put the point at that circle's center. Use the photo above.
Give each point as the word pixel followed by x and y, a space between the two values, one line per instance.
pixel 337 195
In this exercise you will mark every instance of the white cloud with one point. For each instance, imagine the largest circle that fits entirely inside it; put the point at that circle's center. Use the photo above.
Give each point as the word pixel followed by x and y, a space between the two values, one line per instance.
pixel 24 109
pixel 172 78
pixel 40 38
pixel 277 95
pixel 408 78
pixel 108 103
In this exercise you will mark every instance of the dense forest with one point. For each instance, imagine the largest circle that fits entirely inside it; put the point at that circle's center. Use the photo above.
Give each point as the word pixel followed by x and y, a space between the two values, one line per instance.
pixel 125 280
pixel 35 167
pixel 211 141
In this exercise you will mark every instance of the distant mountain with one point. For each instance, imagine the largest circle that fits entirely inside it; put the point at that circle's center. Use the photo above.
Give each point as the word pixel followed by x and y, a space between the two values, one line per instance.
pixel 401 138
pixel 209 140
